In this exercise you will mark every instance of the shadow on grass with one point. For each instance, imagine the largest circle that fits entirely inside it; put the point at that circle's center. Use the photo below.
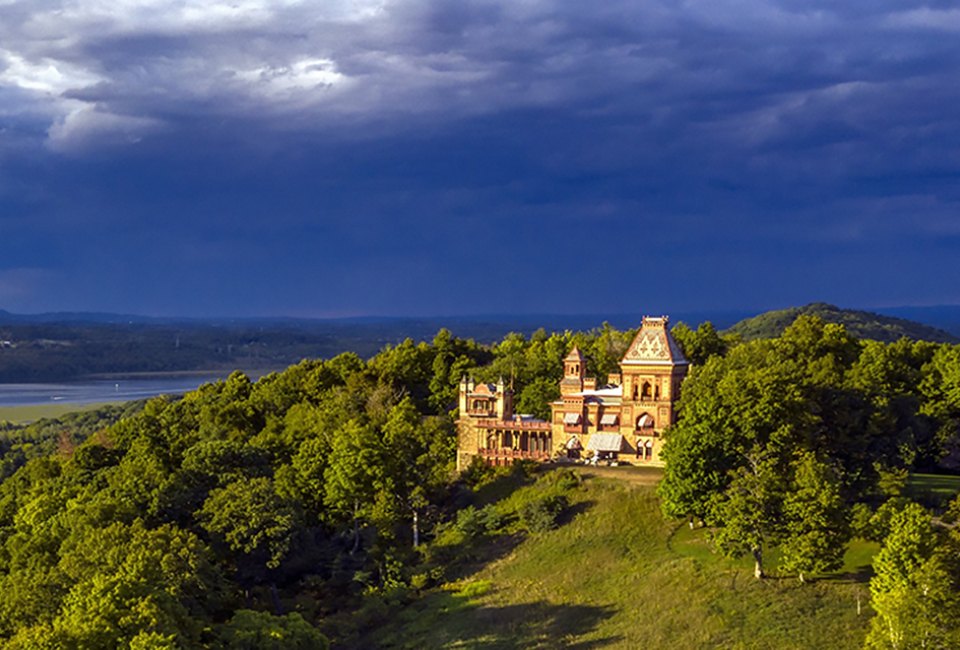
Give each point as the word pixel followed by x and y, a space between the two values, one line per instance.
pixel 441 618
pixel 568 514
pixel 861 575
pixel 473 554
pixel 449 620
pixel 466 559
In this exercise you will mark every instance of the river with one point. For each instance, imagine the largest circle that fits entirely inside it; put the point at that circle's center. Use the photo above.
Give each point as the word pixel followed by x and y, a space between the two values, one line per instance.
pixel 91 391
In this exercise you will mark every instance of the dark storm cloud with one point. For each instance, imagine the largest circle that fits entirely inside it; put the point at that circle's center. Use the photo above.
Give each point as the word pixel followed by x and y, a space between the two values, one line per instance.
pixel 360 156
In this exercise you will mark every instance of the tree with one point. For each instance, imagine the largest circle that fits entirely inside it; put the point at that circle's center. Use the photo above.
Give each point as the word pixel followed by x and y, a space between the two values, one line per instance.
pixel 355 464
pixel 535 398
pixel 146 584
pixel 748 512
pixel 940 388
pixel 251 519
pixel 815 527
pixel 914 589
pixel 251 630
pixel 418 459
pixel 700 344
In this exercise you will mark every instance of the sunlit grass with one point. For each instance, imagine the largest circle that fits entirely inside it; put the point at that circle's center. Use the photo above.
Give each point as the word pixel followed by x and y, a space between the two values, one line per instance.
pixel 619 575
pixel 933 489
pixel 34 412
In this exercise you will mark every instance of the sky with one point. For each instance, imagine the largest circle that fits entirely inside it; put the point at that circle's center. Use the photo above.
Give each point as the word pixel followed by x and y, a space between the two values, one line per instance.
pixel 432 157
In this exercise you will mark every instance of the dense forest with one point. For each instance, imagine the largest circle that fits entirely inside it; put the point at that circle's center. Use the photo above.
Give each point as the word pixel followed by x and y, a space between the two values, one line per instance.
pixel 60 347
pixel 50 350
pixel 315 503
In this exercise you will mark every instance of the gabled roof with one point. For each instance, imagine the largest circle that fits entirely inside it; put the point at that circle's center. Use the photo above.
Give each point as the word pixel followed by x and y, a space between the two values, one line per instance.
pixel 575 355
pixel 654 345
pixel 488 389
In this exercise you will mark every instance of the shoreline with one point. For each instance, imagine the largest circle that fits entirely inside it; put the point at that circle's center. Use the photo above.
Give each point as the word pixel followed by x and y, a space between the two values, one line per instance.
pixel 253 373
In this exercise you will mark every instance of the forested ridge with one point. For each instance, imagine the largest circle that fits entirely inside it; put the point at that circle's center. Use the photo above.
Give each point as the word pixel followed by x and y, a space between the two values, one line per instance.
pixel 319 501
pixel 862 324
pixel 60 347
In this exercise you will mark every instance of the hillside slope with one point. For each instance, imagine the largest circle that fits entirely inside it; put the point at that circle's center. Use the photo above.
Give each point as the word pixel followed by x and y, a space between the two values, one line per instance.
pixel 617 575
pixel 862 324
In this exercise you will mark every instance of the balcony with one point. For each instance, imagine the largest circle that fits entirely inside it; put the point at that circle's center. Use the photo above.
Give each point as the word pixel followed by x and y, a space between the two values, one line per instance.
pixel 499 457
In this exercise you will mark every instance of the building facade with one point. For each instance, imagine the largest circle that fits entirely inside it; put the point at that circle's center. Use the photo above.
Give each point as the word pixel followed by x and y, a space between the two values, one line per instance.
pixel 622 419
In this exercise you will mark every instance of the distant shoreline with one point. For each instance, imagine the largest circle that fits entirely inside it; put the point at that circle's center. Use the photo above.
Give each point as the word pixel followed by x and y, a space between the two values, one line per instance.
pixel 253 373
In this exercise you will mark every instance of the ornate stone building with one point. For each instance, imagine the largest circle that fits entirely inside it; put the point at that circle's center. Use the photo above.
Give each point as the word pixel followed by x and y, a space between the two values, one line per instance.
pixel 488 427
pixel 622 419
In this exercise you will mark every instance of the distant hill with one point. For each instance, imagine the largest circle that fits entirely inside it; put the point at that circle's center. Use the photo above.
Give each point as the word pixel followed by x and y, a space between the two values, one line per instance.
pixel 946 317
pixel 862 324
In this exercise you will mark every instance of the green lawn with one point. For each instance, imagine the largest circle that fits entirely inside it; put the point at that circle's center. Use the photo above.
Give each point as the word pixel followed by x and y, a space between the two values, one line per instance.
pixel 34 412
pixel 933 489
pixel 617 575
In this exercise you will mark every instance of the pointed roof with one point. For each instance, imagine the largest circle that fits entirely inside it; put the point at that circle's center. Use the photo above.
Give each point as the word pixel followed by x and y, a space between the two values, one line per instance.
pixel 575 355
pixel 654 345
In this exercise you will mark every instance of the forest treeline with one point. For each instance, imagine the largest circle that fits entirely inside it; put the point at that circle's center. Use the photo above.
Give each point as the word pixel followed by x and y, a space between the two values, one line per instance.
pixel 256 514
pixel 60 351
pixel 62 347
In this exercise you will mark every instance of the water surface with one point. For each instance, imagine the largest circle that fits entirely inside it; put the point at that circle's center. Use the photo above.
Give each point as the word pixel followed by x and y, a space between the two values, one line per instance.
pixel 90 391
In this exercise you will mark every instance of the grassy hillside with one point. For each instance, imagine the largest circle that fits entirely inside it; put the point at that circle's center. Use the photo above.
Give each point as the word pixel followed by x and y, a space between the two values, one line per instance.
pixel 862 324
pixel 617 575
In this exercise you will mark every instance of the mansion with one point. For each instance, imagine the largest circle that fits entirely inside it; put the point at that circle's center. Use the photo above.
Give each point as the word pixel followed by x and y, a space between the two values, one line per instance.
pixel 622 419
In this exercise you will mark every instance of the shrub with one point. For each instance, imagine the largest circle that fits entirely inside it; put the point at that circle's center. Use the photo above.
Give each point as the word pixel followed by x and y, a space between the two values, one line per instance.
pixel 474 523
pixel 474 589
pixel 541 514
pixel 561 479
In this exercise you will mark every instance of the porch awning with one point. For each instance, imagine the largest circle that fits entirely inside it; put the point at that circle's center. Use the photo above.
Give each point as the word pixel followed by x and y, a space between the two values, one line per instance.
pixel 571 418
pixel 609 419
pixel 605 442
pixel 644 421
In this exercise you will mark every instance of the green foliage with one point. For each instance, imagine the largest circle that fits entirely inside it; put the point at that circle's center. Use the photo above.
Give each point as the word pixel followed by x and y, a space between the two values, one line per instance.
pixel 700 344
pixel 328 488
pixel 815 526
pixel 777 438
pixel 536 396
pixel 541 515
pixel 252 630
pixel 252 519
pixel 474 522
pixel 862 324
pixel 915 589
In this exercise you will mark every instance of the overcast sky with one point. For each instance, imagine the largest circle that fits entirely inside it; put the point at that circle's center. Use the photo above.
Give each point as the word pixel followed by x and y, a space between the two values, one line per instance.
pixel 332 158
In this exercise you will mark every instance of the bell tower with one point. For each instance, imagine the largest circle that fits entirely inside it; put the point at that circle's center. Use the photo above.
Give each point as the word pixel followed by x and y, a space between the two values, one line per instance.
pixel 574 372
pixel 653 370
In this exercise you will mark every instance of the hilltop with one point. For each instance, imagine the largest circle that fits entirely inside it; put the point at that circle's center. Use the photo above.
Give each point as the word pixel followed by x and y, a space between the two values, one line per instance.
pixel 616 574
pixel 862 324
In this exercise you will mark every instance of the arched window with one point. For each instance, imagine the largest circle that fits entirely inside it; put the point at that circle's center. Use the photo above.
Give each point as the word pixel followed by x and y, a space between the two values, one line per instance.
pixel 647 390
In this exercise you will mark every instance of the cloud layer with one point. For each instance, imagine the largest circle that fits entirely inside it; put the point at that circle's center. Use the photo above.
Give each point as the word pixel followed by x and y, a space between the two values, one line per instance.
pixel 742 152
